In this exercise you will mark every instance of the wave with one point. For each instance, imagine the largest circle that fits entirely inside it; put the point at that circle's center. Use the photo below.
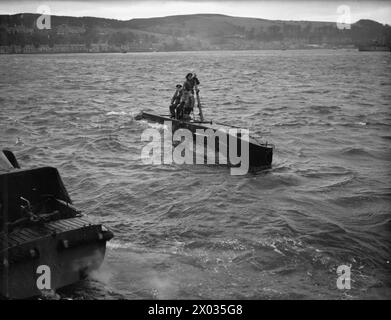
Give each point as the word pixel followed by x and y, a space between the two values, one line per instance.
pixel 356 151
pixel 116 113
pixel 325 109
pixel 315 91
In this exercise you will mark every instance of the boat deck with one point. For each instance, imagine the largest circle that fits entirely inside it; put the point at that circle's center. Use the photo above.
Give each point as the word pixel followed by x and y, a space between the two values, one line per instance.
pixel 25 235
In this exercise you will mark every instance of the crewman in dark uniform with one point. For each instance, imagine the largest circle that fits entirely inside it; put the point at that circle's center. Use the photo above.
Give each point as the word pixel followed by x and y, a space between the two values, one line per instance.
pixel 175 101
pixel 188 92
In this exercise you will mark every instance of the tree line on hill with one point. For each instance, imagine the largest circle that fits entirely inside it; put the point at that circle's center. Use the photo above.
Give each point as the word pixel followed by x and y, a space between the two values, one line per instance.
pixel 175 33
pixel 52 37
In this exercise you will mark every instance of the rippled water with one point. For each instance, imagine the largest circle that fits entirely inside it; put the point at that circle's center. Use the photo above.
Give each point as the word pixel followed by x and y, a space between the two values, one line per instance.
pixel 186 231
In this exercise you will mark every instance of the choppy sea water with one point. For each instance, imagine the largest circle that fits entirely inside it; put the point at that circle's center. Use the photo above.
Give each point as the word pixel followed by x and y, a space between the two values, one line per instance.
pixel 185 231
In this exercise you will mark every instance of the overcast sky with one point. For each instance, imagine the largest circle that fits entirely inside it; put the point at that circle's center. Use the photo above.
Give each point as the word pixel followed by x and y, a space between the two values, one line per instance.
pixel 284 10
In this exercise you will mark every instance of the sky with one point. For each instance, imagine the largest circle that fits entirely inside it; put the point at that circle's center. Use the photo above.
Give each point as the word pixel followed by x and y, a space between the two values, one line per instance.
pixel 314 10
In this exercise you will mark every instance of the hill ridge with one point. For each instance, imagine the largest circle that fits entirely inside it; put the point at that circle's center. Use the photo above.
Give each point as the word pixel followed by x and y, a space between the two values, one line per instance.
pixel 201 31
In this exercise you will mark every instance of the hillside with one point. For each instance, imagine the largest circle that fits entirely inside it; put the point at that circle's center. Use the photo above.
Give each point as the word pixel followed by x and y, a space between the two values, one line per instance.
pixel 187 32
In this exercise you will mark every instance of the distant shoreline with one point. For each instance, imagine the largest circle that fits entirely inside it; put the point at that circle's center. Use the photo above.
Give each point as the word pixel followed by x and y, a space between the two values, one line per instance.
pixel 19 34
pixel 163 51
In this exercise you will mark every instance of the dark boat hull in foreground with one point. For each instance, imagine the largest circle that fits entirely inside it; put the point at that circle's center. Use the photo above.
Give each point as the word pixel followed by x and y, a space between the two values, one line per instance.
pixel 260 154
pixel 41 233
pixel 71 248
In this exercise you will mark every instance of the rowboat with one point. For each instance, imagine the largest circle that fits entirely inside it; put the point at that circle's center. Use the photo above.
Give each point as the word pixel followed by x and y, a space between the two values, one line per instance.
pixel 260 153
pixel 45 242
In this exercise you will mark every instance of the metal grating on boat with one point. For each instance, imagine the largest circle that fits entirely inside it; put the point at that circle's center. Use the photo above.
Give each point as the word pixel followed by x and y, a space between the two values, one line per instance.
pixel 21 236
